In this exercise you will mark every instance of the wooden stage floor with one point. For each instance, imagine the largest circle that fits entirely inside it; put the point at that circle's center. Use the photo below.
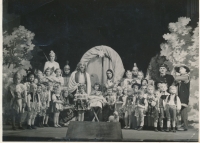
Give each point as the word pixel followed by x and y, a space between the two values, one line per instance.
pixel 59 134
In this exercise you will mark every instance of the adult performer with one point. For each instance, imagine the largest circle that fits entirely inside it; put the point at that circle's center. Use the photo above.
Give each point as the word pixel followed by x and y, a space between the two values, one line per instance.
pixel 80 76
pixel 163 77
pixel 51 64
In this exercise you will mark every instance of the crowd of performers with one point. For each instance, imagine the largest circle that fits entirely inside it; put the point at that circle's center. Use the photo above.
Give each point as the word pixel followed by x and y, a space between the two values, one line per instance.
pixel 136 102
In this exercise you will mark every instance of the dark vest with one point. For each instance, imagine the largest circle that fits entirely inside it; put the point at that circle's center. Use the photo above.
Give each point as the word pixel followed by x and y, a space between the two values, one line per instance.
pixel 184 92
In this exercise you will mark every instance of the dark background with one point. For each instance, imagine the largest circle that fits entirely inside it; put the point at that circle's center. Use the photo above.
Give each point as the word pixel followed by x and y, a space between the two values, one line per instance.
pixel 133 28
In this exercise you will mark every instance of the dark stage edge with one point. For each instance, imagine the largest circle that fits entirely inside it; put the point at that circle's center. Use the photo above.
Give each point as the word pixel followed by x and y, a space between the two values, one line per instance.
pixel 58 134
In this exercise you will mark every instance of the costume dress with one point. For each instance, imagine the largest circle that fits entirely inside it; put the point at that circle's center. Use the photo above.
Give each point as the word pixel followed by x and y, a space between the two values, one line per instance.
pixel 57 107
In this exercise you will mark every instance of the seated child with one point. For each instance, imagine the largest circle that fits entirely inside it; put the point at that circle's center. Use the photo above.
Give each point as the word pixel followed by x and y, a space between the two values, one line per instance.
pixel 97 101
pixel 68 110
pixel 81 101
pixel 141 104
pixel 173 106
pixel 114 117
pixel 162 102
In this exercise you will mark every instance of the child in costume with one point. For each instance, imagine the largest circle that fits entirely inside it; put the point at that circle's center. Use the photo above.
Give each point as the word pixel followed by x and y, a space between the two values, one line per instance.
pixel 156 110
pixel 33 104
pixel 57 104
pixel 43 106
pixel 111 99
pixel 182 79
pixel 67 113
pixel 58 78
pixel 162 102
pixel 128 80
pixel 17 99
pixel 140 77
pixel 97 101
pixel 150 108
pixel 141 104
pixel 81 101
pixel 173 106
pixel 129 107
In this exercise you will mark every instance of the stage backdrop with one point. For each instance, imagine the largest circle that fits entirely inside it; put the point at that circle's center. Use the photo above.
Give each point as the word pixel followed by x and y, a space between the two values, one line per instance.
pixel 101 58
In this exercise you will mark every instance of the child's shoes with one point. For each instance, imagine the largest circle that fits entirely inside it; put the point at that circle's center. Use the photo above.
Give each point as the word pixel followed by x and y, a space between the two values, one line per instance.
pixel 33 127
pixel 140 128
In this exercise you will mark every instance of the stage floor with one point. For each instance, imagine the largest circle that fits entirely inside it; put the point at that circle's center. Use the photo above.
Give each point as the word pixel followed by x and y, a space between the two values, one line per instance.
pixel 59 134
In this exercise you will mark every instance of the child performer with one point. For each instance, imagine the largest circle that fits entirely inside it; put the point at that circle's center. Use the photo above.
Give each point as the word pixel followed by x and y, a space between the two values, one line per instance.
pixel 48 103
pixel 17 97
pixel 140 77
pixel 43 105
pixel 111 99
pixel 48 76
pixel 162 102
pixel 33 104
pixel 97 89
pixel 68 110
pixel 183 80
pixel 122 93
pixel 129 106
pixel 150 108
pixel 57 104
pixel 173 106
pixel 156 109
pixel 141 104
pixel 128 80
pixel 58 77
pixel 81 101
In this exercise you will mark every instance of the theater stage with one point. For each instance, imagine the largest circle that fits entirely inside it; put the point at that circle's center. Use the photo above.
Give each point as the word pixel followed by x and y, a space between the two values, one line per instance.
pixel 59 134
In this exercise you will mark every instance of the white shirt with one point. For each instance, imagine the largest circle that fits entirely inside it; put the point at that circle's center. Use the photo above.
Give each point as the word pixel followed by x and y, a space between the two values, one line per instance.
pixel 81 78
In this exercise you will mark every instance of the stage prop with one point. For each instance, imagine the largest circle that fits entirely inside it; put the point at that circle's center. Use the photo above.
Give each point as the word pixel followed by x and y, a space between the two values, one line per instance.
pixel 106 131
pixel 101 58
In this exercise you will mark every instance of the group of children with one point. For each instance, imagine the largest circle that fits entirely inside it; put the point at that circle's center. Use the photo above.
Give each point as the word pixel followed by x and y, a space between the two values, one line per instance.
pixel 42 94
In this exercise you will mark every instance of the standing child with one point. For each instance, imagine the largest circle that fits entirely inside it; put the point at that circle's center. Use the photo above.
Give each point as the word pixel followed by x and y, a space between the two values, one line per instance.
pixel 111 99
pixel 66 74
pixel 97 89
pixel 129 106
pixel 156 109
pixel 43 105
pixel 173 106
pixel 150 108
pixel 17 99
pixel 128 80
pixel 141 104
pixel 140 77
pixel 33 104
pixel 58 77
pixel 162 103
pixel 57 104
pixel 81 101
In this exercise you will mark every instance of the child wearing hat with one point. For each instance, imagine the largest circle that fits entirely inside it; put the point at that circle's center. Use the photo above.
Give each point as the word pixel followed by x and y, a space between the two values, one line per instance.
pixel 183 80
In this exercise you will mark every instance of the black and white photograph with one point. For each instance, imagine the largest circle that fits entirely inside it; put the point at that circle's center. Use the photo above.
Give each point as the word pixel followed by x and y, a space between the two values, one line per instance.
pixel 100 70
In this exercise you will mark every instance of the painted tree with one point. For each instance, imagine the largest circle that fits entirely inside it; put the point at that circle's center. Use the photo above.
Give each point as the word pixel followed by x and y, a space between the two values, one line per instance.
pixel 181 47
